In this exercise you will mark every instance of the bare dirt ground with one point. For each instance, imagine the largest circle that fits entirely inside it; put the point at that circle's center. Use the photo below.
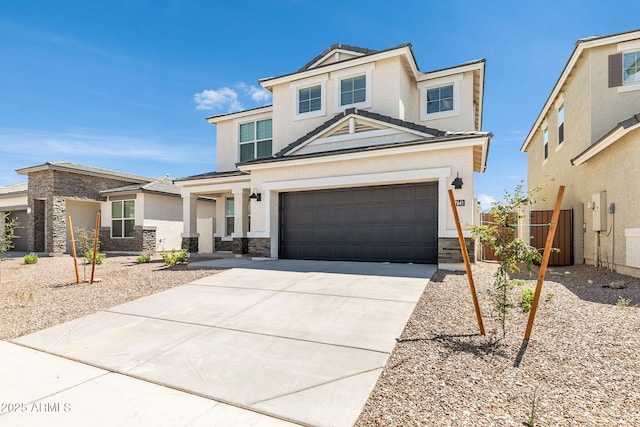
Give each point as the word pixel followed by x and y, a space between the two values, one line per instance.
pixel 581 366
pixel 37 296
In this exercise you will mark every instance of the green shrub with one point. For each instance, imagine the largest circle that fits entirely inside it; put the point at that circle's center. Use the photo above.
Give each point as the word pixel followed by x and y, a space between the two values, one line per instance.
pixel 526 298
pixel 100 256
pixel 175 257
pixel 30 259
pixel 143 258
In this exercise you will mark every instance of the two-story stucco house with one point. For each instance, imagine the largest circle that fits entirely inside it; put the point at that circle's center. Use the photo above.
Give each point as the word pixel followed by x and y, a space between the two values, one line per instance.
pixel 351 162
pixel 587 137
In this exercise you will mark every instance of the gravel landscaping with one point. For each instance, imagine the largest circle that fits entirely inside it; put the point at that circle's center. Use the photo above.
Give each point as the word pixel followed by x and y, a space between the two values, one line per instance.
pixel 37 296
pixel 581 367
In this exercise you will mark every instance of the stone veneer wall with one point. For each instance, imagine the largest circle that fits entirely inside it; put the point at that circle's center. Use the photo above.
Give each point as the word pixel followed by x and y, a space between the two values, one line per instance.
pixel 259 246
pixel 143 241
pixel 220 245
pixel 449 250
pixel 54 187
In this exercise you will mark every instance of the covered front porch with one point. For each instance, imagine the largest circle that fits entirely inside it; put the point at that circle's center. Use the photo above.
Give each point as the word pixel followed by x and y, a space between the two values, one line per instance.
pixel 234 201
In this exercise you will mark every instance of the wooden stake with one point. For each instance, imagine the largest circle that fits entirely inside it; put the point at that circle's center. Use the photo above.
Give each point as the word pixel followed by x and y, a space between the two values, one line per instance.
pixel 545 262
pixel 73 249
pixel 95 246
pixel 467 264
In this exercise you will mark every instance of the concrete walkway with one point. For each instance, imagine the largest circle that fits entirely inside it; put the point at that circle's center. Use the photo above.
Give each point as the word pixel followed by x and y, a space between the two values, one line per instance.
pixel 265 343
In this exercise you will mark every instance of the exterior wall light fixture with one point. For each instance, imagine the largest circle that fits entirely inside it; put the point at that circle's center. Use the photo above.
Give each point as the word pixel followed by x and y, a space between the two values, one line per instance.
pixel 457 183
pixel 255 195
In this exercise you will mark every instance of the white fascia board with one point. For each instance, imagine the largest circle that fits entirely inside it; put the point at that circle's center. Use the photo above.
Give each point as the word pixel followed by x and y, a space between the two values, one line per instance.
pixel 450 71
pixel 214 120
pixel 212 183
pixel 270 82
pixel 581 46
pixel 332 53
pixel 383 152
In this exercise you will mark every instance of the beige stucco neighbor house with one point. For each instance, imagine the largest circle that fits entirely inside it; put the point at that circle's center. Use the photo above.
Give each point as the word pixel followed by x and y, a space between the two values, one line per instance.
pixel 13 201
pixel 587 137
pixel 137 213
pixel 351 162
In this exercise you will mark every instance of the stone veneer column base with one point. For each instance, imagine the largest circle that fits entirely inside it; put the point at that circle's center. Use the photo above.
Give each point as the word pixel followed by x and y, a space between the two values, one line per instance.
pixel 449 250
pixel 190 244
pixel 259 246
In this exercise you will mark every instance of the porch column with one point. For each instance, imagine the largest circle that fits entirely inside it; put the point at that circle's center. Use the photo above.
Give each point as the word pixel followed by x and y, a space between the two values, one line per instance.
pixel 241 221
pixel 190 222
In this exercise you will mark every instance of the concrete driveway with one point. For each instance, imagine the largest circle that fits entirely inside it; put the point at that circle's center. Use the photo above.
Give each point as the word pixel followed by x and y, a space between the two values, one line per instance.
pixel 271 343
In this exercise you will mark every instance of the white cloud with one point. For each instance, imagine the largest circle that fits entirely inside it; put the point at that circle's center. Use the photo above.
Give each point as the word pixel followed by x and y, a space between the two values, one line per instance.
pixel 223 99
pixel 257 94
pixel 486 202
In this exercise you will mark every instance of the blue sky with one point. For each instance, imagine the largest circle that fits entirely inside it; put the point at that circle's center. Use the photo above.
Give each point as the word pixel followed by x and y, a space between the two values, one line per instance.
pixel 127 84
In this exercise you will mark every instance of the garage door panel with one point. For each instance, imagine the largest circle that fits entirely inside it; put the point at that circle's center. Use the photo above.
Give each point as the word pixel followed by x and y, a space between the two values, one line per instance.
pixel 389 223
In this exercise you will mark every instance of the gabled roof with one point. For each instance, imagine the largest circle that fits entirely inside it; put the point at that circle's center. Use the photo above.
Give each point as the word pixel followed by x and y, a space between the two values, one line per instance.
pixel 84 170
pixel 614 135
pixel 362 113
pixel 337 47
pixel 159 186
pixel 580 47
pixel 423 136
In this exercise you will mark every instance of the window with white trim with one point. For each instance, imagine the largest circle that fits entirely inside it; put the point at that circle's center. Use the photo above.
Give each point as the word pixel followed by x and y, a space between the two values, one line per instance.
pixel 255 140
pixel 353 90
pixel 545 142
pixel 631 68
pixel 229 215
pixel 561 124
pixel 440 99
pixel 123 218
pixel 309 99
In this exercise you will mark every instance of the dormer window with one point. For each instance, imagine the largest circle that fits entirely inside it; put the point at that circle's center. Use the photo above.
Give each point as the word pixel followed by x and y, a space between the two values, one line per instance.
pixel 255 140
pixel 440 99
pixel 353 90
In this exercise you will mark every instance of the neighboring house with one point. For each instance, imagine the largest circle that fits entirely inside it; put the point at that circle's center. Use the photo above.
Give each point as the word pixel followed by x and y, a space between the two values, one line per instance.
pixel 137 213
pixel 587 137
pixel 13 200
pixel 351 162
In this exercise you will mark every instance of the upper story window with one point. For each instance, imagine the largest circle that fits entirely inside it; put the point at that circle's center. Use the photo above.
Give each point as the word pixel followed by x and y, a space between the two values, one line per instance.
pixel 631 68
pixel 123 214
pixel 440 99
pixel 255 140
pixel 561 124
pixel 545 142
pixel 309 99
pixel 353 90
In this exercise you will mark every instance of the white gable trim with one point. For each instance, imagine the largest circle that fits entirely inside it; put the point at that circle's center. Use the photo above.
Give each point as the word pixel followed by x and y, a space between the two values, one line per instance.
pixel 603 144
pixel 351 135
pixel 333 53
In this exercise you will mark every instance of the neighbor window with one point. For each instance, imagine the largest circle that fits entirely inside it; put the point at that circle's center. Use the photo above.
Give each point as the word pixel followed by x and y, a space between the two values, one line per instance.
pixel 255 140
pixel 309 99
pixel 631 68
pixel 440 99
pixel 561 124
pixel 123 218
pixel 545 141
pixel 229 213
pixel 353 90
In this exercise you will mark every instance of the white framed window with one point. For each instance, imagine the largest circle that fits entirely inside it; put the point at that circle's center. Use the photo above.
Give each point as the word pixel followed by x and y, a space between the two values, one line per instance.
pixel 309 99
pixel 123 218
pixel 440 98
pixel 631 68
pixel 229 210
pixel 352 87
pixel 561 124
pixel 255 139
pixel 545 142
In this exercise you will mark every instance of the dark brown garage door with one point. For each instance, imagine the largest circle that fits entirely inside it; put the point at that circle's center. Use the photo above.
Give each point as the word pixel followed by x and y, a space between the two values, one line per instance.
pixel 396 223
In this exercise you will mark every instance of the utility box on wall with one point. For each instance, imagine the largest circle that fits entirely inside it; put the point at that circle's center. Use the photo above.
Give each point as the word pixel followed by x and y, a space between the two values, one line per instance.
pixel 599 201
